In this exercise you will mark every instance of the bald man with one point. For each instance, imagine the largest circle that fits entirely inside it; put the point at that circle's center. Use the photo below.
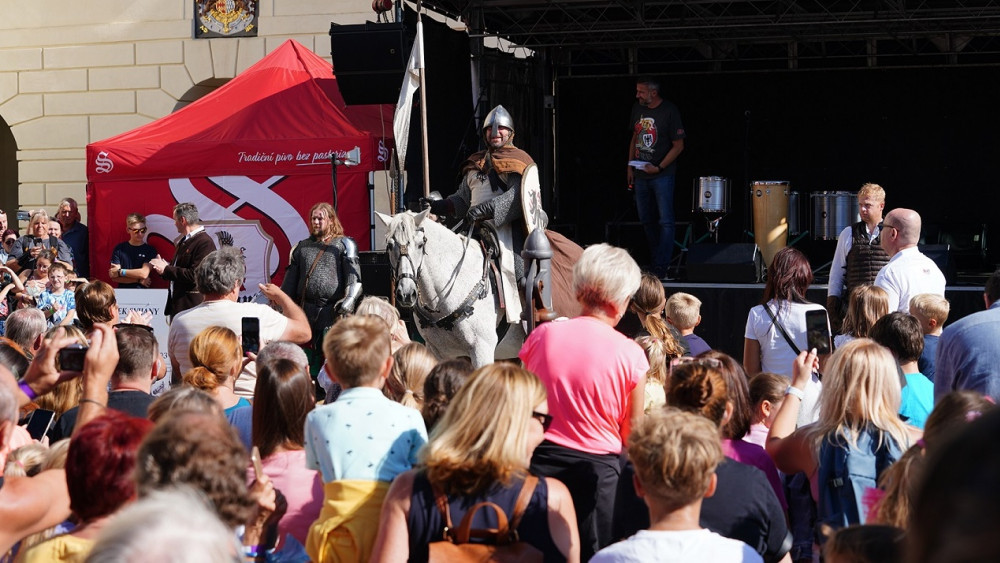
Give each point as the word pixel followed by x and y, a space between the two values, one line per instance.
pixel 908 272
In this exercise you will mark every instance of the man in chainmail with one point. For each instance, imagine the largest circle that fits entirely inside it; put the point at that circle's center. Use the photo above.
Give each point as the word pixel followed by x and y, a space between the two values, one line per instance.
pixel 323 274
pixel 491 191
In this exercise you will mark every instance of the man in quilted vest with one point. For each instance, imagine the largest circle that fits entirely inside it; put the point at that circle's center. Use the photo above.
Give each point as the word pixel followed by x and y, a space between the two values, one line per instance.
pixel 859 256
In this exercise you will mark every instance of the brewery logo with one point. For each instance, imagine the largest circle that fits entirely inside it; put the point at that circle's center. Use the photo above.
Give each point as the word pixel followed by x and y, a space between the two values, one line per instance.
pixel 383 151
pixel 225 18
pixel 103 164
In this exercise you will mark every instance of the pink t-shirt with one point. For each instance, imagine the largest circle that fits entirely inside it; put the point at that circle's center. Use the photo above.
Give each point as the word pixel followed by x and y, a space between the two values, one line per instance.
pixel 589 369
pixel 303 489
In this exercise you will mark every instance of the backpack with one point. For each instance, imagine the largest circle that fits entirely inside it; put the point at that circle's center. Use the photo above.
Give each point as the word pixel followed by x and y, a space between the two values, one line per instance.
pixel 846 471
pixel 503 543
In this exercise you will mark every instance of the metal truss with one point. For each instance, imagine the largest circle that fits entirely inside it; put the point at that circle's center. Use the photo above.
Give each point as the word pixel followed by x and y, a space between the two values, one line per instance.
pixel 598 36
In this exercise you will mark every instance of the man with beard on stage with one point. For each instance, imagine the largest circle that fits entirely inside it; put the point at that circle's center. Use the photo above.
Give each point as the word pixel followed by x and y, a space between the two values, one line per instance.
pixel 323 275
pixel 657 140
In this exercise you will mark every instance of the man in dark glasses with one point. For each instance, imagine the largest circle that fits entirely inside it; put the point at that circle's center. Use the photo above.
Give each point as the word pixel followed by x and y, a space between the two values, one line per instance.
pixel 130 259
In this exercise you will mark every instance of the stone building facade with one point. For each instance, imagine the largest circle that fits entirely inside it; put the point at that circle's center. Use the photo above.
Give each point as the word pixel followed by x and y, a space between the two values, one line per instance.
pixel 76 72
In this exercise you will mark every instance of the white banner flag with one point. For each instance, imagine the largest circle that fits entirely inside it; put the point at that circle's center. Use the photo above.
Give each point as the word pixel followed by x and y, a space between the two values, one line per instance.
pixel 411 81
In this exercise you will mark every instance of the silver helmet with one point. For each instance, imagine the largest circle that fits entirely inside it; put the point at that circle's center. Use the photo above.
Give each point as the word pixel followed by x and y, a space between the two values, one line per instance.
pixel 496 118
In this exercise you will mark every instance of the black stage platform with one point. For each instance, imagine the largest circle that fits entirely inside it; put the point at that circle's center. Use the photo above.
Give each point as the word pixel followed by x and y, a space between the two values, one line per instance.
pixel 724 309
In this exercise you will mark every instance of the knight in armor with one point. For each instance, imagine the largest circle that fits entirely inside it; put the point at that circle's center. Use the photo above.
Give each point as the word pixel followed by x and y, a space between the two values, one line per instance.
pixel 494 190
pixel 859 255
pixel 323 274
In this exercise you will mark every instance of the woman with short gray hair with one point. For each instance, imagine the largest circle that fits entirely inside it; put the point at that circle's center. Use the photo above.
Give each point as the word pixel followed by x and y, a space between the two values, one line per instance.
pixel 595 378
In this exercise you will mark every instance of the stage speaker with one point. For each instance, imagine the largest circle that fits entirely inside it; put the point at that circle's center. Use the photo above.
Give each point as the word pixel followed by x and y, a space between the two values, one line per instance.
pixel 369 60
pixel 942 257
pixel 630 236
pixel 376 273
pixel 723 263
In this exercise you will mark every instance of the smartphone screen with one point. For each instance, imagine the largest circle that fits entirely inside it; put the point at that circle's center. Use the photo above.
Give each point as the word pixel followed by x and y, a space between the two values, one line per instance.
pixel 251 335
pixel 39 423
pixel 818 331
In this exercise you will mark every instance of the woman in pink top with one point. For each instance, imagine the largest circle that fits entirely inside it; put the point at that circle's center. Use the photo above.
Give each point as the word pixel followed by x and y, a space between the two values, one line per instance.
pixel 282 399
pixel 737 423
pixel 595 379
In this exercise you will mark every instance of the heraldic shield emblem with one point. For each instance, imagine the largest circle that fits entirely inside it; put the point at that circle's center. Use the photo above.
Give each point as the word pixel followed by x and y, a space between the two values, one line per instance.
pixel 225 18
pixel 531 200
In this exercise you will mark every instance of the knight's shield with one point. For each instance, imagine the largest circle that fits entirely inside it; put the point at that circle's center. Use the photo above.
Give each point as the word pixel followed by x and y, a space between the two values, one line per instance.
pixel 531 199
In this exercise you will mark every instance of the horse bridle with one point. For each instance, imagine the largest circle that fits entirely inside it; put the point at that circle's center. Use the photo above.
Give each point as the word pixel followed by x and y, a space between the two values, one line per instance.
pixel 447 321
pixel 404 252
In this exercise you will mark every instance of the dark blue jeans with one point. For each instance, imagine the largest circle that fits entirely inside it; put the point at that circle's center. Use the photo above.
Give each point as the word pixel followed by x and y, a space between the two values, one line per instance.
pixel 654 199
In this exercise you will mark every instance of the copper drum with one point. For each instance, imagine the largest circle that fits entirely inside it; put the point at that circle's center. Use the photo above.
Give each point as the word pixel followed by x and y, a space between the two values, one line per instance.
pixel 770 217
pixel 711 195
pixel 794 214
pixel 832 212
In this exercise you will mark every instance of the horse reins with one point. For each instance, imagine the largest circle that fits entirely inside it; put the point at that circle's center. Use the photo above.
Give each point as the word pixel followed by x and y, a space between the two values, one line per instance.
pixel 446 322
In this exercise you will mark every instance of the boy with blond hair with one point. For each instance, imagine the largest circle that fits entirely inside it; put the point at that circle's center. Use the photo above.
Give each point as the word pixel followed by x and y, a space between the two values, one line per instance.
pixel 931 310
pixel 684 313
pixel 675 454
pixel 359 443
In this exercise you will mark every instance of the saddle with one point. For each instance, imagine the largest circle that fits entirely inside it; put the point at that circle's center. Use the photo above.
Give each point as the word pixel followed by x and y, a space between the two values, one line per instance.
pixel 489 241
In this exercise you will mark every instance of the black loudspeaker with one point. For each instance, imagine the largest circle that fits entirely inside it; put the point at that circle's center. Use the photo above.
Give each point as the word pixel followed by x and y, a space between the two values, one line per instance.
pixel 369 60
pixel 723 263
pixel 630 236
pixel 376 274
pixel 941 255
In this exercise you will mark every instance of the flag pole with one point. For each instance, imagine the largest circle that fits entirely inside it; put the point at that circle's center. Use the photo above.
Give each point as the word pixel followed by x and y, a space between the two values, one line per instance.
pixel 423 108
pixel 412 80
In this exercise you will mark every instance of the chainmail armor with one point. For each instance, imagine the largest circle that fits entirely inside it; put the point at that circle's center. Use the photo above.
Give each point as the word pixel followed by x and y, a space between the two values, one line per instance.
pixel 336 272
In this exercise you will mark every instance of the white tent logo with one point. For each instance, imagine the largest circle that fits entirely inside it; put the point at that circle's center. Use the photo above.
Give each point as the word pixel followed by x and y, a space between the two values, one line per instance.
pixel 103 164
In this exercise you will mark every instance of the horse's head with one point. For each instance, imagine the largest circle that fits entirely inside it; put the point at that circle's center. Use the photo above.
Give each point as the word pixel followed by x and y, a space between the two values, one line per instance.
pixel 404 244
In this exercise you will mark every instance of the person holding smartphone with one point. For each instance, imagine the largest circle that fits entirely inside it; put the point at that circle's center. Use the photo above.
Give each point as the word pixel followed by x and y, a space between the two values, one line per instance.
pixel 29 247
pixel 776 330
pixel 219 278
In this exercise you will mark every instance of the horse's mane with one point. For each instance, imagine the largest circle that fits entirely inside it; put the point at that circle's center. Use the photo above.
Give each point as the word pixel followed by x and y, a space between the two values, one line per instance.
pixel 402 228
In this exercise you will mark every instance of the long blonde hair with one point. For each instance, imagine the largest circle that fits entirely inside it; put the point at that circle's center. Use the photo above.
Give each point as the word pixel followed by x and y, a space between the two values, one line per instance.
pixel 482 438
pixel 410 367
pixel 648 303
pixel 860 388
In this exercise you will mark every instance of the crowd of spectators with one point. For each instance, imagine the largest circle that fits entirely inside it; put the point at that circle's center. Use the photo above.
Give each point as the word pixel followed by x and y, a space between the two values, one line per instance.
pixel 599 445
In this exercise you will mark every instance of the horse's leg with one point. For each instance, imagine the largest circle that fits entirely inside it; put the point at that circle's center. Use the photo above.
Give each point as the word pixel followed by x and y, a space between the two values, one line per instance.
pixel 478 332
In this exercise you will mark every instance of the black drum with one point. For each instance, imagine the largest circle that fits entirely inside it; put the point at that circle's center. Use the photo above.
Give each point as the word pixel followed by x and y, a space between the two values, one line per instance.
pixel 794 212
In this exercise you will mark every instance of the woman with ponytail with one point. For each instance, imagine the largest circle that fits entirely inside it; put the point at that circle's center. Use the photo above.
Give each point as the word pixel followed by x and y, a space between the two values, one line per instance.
pixel 216 359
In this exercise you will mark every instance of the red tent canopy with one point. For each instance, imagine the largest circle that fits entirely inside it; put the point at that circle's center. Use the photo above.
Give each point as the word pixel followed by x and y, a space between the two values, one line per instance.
pixel 254 155
pixel 286 104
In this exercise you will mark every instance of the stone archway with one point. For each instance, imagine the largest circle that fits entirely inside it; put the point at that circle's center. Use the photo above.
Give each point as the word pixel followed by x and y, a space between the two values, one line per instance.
pixel 199 90
pixel 8 173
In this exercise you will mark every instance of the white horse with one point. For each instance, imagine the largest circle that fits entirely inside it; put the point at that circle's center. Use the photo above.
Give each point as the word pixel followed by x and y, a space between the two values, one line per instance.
pixel 443 277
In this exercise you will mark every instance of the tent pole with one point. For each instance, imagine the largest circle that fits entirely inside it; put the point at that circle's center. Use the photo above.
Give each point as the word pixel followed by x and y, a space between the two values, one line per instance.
pixel 333 172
